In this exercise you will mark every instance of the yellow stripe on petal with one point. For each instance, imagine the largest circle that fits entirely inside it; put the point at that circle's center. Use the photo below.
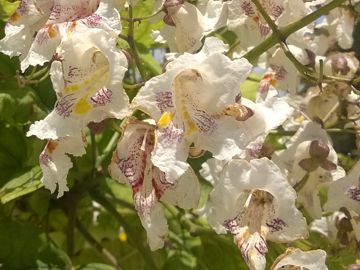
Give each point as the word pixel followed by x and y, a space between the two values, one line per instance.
pixel 191 126
pixel 165 119
pixel 71 88
pixel 82 106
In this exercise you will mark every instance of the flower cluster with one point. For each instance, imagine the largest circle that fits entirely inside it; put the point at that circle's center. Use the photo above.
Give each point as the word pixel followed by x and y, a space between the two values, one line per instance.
pixel 198 103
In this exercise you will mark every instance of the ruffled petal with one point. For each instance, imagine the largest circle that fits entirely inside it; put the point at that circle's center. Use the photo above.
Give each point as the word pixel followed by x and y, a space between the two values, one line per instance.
pixel 55 162
pixel 345 192
pixel 131 164
pixel 88 81
pixel 254 202
pixel 312 260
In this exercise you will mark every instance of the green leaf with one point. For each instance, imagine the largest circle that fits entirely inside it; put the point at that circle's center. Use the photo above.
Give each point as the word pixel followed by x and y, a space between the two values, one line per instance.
pixel 23 246
pixel 250 87
pixel 13 144
pixel 22 185
pixel 218 252
pixel 7 8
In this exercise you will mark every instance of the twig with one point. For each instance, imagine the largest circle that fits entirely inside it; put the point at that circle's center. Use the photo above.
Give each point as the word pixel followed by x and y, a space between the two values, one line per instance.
pixel 93 242
pixel 133 236
pixel 131 41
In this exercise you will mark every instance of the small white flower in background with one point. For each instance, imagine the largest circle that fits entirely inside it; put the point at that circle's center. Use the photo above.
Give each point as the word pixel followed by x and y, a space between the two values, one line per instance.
pixel 186 25
pixel 60 19
pixel 298 259
pixel 245 12
pixel 322 104
pixel 87 76
pixel 55 162
pixel 23 25
pixel 341 26
pixel 251 28
pixel 345 65
pixel 336 228
pixel 309 157
pixel 281 72
pixel 345 192
pixel 254 202
pixel 197 101
pixel 131 164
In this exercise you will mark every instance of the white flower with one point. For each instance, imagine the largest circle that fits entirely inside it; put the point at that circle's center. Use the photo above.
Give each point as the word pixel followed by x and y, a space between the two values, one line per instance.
pixel 197 101
pixel 281 73
pixel 251 28
pixel 345 192
pixel 56 20
pixel 341 26
pixel 345 65
pixel 188 25
pixel 55 163
pixel 309 260
pixel 131 164
pixel 322 104
pixel 309 158
pixel 335 228
pixel 87 77
pixel 254 202
pixel 23 25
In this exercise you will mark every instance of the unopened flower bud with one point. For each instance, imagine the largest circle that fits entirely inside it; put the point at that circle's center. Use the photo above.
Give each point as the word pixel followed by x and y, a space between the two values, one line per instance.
pixel 169 20
pixel 343 224
pixel 319 150
pixel 339 64
pixel 172 6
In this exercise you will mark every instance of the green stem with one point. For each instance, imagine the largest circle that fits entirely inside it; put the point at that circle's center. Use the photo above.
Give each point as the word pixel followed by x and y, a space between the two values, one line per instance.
pixel 108 149
pixel 70 231
pixel 132 45
pixel 133 236
pixel 299 185
pixel 93 242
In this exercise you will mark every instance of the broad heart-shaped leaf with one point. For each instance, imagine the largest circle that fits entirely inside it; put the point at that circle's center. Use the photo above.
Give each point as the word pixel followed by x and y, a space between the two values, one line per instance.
pixel 219 252
pixel 12 143
pixel 95 266
pixel 22 185
pixel 23 246
pixel 7 8
pixel 19 105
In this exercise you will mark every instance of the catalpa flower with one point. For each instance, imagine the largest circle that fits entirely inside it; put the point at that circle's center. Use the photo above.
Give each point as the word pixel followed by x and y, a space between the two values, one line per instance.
pixel 55 162
pixel 186 25
pixel 197 101
pixel 322 104
pixel 281 72
pixel 131 164
pixel 345 65
pixel 254 202
pixel 87 77
pixel 336 228
pixel 346 193
pixel 23 25
pixel 310 161
pixel 245 12
pixel 298 259
pixel 251 28
pixel 59 19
